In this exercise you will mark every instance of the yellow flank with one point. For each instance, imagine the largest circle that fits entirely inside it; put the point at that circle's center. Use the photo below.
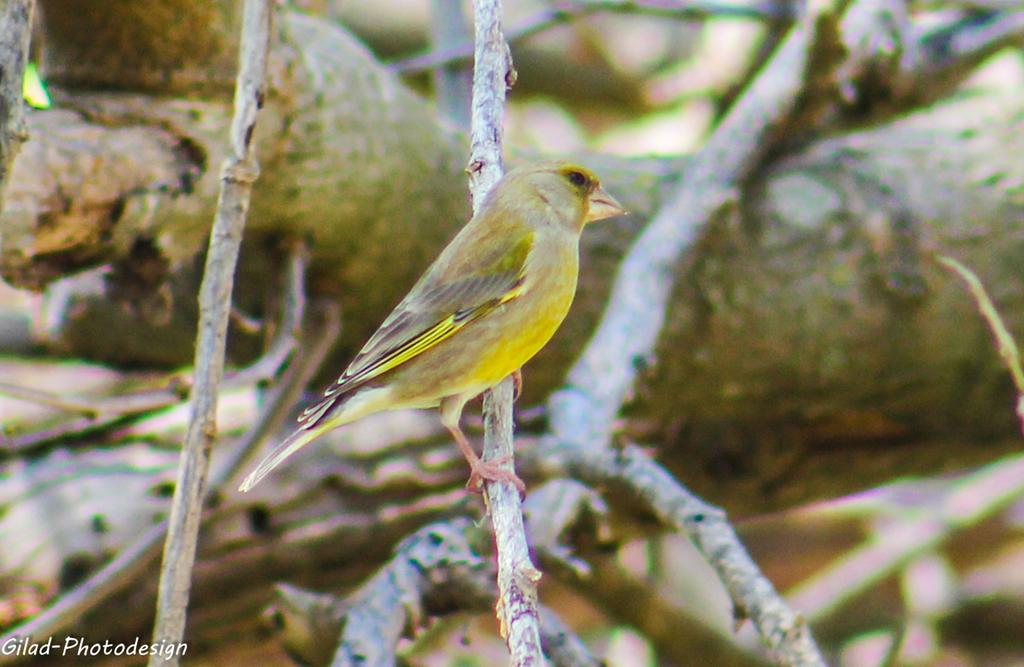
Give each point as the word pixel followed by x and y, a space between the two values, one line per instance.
pixel 492 299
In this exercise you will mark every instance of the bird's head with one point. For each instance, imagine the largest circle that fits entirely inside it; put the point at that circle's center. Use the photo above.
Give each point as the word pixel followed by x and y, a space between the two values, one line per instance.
pixel 572 192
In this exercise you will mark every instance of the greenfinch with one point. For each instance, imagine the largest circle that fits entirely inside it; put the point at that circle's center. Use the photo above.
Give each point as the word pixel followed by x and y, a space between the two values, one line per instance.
pixel 492 299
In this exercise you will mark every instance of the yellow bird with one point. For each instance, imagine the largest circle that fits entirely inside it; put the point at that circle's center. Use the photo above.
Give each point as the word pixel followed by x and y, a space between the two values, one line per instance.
pixel 492 299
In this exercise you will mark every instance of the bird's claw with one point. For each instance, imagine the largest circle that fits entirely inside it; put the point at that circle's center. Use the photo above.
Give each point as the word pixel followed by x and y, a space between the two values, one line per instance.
pixel 491 471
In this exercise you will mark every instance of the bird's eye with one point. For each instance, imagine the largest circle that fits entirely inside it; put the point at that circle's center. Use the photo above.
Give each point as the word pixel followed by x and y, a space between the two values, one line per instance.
pixel 577 178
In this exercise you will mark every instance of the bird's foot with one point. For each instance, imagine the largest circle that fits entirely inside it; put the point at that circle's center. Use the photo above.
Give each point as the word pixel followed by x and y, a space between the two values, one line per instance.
pixel 491 471
pixel 517 384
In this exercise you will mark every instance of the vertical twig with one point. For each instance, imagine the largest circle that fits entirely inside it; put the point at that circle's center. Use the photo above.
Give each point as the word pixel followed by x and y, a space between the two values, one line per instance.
pixel 517 577
pixel 239 172
pixel 518 610
pixel 15 30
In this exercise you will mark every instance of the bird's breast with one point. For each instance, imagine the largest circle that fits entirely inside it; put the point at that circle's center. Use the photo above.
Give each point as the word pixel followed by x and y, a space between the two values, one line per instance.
pixel 521 327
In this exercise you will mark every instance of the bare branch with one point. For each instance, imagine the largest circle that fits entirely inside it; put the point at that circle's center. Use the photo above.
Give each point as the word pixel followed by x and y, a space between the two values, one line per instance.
pixel 237 176
pixel 15 31
pixel 518 612
pixel 392 600
pixel 630 473
pixel 572 536
pixel 433 572
pixel 1005 343
pixel 492 76
pixel 518 615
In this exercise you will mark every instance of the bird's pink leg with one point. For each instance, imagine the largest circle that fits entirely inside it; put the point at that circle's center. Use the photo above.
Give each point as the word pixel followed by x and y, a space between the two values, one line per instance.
pixel 480 470
pixel 517 384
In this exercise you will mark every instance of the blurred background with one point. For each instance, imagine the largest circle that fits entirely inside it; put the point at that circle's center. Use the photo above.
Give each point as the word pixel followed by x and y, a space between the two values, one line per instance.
pixel 885 496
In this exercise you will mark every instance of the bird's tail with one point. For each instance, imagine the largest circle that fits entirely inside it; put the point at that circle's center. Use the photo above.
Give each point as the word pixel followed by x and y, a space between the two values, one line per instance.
pixel 332 411
pixel 289 446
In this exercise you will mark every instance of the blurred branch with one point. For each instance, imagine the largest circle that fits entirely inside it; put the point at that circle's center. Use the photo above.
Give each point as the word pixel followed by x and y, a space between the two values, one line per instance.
pixel 582 416
pixel 630 474
pixel 1005 343
pixel 379 612
pixel 433 572
pixel 947 53
pixel 134 560
pixel 560 643
pixel 100 413
pixel 15 32
pixel 970 500
pixel 565 12
pixel 565 508
pixel 898 61
pixel 452 81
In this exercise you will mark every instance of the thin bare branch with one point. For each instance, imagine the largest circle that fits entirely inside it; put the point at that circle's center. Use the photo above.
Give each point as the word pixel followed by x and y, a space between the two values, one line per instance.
pixel 15 31
pixel 1005 343
pixel 237 176
pixel 561 509
pixel 518 615
pixel 518 610
pixel 631 474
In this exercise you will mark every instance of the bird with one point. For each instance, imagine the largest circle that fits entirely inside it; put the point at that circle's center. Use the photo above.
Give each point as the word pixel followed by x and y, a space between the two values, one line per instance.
pixel 489 302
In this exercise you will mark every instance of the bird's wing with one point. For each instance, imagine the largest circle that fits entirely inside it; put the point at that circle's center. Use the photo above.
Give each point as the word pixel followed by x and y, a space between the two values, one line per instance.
pixel 432 312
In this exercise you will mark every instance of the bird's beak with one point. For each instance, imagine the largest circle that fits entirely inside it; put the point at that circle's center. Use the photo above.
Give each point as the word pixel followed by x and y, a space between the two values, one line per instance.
pixel 601 205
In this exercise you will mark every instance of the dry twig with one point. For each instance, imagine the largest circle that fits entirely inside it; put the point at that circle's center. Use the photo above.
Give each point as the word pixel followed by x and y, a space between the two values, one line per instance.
pixel 15 31
pixel 237 176
pixel 1005 343
pixel 518 615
